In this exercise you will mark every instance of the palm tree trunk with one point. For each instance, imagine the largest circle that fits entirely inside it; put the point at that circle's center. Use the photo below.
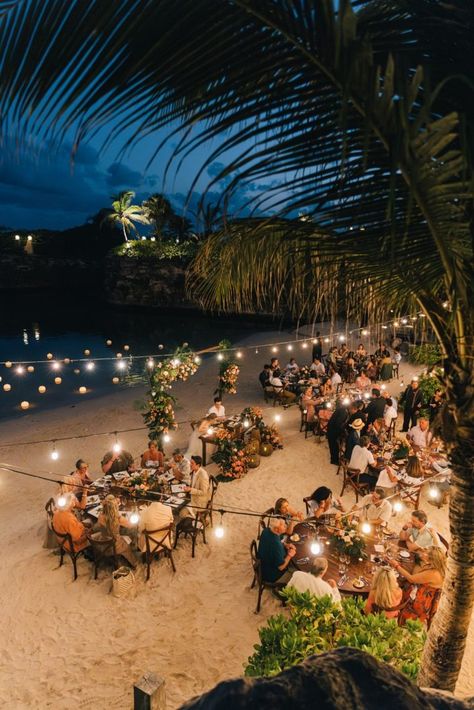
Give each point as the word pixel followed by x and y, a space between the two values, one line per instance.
pixel 124 232
pixel 444 648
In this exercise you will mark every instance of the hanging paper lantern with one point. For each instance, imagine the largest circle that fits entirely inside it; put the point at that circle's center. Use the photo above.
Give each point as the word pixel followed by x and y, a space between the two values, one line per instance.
pixel 115 380
pixel 126 347
pixel 8 363
pixel 108 342
pixel 253 461
pixel 7 387
pixel 30 368
pixel 266 450
pixel 82 390
pixel 41 389
pixel 24 404
pixel 57 380
pixel 87 353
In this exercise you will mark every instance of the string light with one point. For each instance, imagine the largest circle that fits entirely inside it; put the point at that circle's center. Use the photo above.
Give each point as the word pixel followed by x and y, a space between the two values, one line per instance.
pixel 219 531
pixel 20 370
pixel 150 362
pixel 366 528
pixel 7 387
pixel 121 365
pixel 57 380
pixel 238 354
pixel 56 366
pixel 49 356
pixel 115 380
pixel 90 366
pixel 25 404
pixel 8 363
pixel 87 352
pixel 289 347
pixel 197 359
pixel 341 338
pixel 82 390
pixel 326 340
pixel 67 360
pixel 277 417
pixel 274 349
pixel 116 448
pixel 54 453
pixel 398 506
pixel 126 347
pixel 17 237
pixel 108 342
pixel 220 356
pixel 41 389
pixel 167 438
pixel 30 368
pixel 396 324
pixel 404 321
pixel 118 355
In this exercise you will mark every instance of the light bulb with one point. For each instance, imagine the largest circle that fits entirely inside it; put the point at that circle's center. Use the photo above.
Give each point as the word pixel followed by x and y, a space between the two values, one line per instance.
pixel 57 380
pixel 20 370
pixel 210 431
pixel 126 347
pixel 8 363
pixel 396 324
pixel 17 237
pixel 398 506
pixel 385 327
pixel 305 411
pixel 246 423
pixel 366 528
pixel 404 321
pixel 415 378
pixel 90 366
pixel 54 455
pixel 49 356
pixel 314 341
pixel 315 548
pixel 116 448
pixel 61 501
pixel 118 355
pixel 82 390
pixel 7 387
pixel 197 360
pixel 238 354
pixel 134 518
pixel 121 365
pixel 56 366
pixel 304 345
pixel 160 346
pixel 274 349
pixel 41 389
pixel 219 531
pixel 115 380
pixel 277 417
pixel 67 360
pixel 24 404
pixel 108 342
pixel 167 438
pixel 341 338
pixel 87 352
pixel 30 368
pixel 220 356
pixel 150 362
pixel 289 347
pixel 433 493
pixel 326 340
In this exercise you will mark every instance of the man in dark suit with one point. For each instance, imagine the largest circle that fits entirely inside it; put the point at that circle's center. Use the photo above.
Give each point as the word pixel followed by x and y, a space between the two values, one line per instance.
pixel 336 430
pixel 412 398
pixel 376 407
pixel 318 346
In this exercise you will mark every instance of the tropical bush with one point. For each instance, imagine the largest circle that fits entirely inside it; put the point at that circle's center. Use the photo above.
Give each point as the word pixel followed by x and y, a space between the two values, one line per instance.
pixel 429 382
pixel 426 354
pixel 319 625
pixel 157 251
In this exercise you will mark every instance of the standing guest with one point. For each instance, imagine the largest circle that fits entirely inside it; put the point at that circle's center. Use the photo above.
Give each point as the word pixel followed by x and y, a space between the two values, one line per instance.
pixel 199 487
pixel 152 455
pixel 374 508
pixel 179 466
pixel 264 376
pixel 425 583
pixel 317 347
pixel 108 525
pixel 217 408
pixel 397 356
pixel 317 367
pixel 412 398
pixel 313 581
pixel 362 381
pixel 420 436
pixel 65 522
pixel 386 367
pixel 419 533
pixel 435 404
pixel 353 437
pixel 309 403
pixel 114 461
pixel 384 594
pixel 320 502
pixel 275 556
pixel 335 431
pixel 283 508
pixel 376 407
pixel 156 516
pixel 361 352
pixel 390 413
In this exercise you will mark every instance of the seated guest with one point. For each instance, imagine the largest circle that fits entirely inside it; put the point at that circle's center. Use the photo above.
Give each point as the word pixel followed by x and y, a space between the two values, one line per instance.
pixel 353 437
pixel 217 408
pixel 65 522
pixel 376 407
pixel 275 556
pixel 275 367
pixel 393 398
pixel 419 534
pixel 279 387
pixel 374 508
pixel 326 387
pixel 72 484
pixel 201 429
pixel 155 517
pixel 264 376
pixel 343 351
pixel 390 413
pixel 309 403
pixel 292 367
pixel 179 466
pixel 317 367
pixel 361 457
pixel 113 462
pixel 384 594
pixel 349 368
pixel 425 582
pixel 82 472
pixel 412 476
pixel 362 381
pixel 381 351
pixel 108 526
pixel 152 455
pixel 335 377
pixel 321 501
pixel 282 508
pixel 372 369
pixel 361 352
pixel 420 436
pixel 313 581
pixel 199 488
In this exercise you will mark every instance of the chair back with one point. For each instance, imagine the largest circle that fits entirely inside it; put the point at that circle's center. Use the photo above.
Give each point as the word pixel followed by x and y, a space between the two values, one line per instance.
pixel 409 494
pixel 155 540
pixel 214 485
pixel 50 508
pixel 380 609
pixel 443 541
pixel 102 547
pixel 64 540
pixel 256 564
pixel 264 521
pixel 306 502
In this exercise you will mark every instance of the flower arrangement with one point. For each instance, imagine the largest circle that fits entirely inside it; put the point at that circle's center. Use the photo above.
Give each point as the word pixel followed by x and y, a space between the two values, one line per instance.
pixel 270 435
pixel 230 456
pixel 348 541
pixel 400 449
pixel 228 370
pixel 253 414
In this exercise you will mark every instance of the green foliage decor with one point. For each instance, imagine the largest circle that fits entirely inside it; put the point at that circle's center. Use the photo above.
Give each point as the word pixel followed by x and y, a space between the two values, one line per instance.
pixel 156 251
pixel 428 383
pixel 348 541
pixel 426 354
pixel 318 625
pixel 159 410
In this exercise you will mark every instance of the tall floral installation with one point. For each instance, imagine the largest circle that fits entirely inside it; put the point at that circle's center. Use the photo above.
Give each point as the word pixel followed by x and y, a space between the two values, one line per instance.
pixel 228 370
pixel 159 413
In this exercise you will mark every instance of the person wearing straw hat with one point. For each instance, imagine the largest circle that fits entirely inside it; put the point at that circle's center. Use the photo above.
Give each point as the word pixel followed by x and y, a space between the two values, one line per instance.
pixel 353 437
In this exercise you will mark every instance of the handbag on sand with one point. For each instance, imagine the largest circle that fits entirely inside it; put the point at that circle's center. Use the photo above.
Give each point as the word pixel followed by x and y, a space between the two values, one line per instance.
pixel 123 581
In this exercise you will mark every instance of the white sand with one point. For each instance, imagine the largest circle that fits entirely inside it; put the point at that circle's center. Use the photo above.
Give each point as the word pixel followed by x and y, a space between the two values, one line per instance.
pixel 71 644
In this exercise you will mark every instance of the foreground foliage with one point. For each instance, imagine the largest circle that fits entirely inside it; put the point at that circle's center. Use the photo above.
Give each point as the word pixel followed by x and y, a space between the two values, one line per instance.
pixel 319 625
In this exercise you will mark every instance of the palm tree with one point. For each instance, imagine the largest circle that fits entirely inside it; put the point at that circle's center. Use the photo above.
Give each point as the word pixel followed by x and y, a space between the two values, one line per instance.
pixel 364 112
pixel 158 210
pixel 125 214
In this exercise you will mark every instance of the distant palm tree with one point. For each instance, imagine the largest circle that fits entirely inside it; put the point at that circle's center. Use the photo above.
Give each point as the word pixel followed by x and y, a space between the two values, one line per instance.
pixel 125 214
pixel 159 211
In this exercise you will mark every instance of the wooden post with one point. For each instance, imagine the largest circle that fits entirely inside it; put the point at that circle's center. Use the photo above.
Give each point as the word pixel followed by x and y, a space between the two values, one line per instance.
pixel 149 693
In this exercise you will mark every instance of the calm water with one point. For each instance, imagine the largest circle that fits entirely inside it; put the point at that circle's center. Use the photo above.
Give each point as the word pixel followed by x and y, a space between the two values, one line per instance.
pixel 34 324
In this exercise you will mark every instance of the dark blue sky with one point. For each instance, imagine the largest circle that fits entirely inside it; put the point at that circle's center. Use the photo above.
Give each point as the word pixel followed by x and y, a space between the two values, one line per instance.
pixel 40 187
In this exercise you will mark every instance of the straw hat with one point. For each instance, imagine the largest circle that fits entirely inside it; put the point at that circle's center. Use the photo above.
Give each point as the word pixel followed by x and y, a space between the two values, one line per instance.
pixel 357 424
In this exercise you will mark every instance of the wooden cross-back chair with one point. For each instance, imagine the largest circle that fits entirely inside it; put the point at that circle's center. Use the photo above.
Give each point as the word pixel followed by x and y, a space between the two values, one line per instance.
pixel 158 542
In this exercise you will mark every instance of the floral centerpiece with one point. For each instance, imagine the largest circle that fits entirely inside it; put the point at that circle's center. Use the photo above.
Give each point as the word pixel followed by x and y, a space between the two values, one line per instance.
pixel 228 370
pixel 252 414
pixel 400 449
pixel 269 434
pixel 348 541
pixel 230 456
pixel 141 480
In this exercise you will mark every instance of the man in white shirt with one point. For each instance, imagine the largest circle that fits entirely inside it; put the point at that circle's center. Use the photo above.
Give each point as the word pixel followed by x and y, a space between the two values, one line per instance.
pixel 155 517
pixel 336 379
pixel 279 387
pixel 361 457
pixel 317 367
pixel 313 581
pixel 389 413
pixel 179 466
pixel 199 488
pixel 420 435
pixel 217 408
pixel 374 508
pixel 419 534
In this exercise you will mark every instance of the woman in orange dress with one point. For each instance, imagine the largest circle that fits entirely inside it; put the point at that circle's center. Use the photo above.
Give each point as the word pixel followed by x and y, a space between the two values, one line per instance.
pixel 424 586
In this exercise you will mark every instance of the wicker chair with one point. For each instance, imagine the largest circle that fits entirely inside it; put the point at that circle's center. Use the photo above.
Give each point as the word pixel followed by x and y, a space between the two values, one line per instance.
pixel 156 545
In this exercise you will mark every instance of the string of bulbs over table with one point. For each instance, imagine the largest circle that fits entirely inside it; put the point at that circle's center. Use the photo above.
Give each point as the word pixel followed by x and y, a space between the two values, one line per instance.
pixel 219 531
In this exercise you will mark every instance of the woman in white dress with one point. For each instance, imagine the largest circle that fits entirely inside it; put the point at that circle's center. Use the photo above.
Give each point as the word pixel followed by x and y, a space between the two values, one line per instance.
pixel 195 443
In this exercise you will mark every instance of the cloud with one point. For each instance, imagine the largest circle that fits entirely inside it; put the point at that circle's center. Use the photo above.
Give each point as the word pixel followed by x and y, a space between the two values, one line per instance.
pixel 120 175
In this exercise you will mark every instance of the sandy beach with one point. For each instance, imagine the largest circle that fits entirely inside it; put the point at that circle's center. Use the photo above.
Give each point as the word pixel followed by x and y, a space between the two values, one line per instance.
pixel 72 644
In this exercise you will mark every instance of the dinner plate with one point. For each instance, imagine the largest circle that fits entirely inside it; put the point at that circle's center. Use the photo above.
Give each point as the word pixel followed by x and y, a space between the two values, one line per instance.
pixel 404 553
pixel 358 584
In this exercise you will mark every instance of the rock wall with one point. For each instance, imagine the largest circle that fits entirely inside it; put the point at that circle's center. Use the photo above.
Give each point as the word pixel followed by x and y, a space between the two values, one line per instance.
pixel 143 282
pixel 31 271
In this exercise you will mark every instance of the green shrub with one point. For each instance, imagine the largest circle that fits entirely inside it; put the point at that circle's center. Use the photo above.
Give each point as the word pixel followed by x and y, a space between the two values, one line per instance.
pixel 429 382
pixel 318 625
pixel 156 251
pixel 427 354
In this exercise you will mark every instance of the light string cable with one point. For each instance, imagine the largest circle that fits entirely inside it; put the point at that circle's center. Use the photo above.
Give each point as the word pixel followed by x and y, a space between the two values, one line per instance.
pixel 364 330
